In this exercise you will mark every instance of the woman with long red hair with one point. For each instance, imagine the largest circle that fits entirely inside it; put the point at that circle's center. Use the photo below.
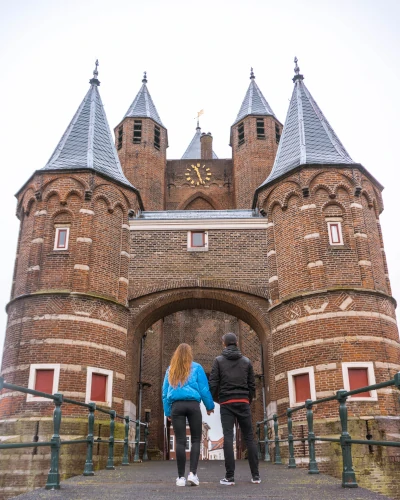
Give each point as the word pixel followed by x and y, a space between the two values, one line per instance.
pixel 185 385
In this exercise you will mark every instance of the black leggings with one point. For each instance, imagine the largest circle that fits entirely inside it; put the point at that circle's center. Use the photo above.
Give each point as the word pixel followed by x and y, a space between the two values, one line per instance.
pixel 180 411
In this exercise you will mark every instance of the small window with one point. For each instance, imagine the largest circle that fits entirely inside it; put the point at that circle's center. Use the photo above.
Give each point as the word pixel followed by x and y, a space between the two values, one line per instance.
pixel 157 134
pixel 43 378
pixel 61 238
pixel 137 131
pixel 187 446
pixel 99 386
pixel 277 133
pixel 301 385
pixel 260 128
pixel 240 133
pixel 120 135
pixel 357 375
pixel 172 443
pixel 335 233
pixel 197 240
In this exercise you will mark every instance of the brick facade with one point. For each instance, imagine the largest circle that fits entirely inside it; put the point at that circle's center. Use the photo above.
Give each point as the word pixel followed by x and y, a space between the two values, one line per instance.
pixel 277 282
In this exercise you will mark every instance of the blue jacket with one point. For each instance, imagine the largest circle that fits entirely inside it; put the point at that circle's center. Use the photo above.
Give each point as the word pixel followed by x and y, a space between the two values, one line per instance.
pixel 194 389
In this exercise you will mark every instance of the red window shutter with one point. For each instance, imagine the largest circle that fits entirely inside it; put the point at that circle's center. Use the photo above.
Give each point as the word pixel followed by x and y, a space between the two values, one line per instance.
pixel 99 385
pixel 44 381
pixel 302 387
pixel 358 377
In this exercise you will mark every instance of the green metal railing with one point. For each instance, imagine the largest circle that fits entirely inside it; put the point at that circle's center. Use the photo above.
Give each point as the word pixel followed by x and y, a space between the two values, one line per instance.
pixel 345 440
pixel 53 478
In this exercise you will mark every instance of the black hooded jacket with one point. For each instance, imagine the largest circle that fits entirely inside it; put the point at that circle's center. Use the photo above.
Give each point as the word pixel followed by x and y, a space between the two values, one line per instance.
pixel 232 376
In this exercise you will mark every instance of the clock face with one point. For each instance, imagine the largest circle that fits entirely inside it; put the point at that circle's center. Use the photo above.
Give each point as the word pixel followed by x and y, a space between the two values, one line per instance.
pixel 198 175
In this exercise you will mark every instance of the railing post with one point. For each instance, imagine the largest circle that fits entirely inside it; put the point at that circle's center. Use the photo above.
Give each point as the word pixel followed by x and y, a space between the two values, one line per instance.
pixel 137 442
pixel 292 461
pixel 348 475
pixel 312 465
pixel 258 431
pixel 278 460
pixel 88 470
pixel 146 439
pixel 110 459
pixel 267 456
pixel 53 478
pixel 125 459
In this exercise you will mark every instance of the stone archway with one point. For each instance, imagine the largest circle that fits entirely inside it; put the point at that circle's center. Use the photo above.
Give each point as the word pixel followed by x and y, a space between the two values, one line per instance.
pixel 148 314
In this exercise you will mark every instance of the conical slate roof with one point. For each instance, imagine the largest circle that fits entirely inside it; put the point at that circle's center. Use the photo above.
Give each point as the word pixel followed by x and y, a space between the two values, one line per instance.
pixel 143 105
pixel 193 151
pixel 307 135
pixel 87 143
pixel 254 102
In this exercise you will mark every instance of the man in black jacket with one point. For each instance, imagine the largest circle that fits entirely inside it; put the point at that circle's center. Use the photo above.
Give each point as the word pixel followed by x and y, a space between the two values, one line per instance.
pixel 232 385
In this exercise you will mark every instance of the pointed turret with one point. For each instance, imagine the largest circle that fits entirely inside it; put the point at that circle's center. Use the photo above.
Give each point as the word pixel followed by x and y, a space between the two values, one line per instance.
pixel 193 151
pixel 254 103
pixel 143 105
pixel 142 141
pixel 255 135
pixel 87 143
pixel 307 137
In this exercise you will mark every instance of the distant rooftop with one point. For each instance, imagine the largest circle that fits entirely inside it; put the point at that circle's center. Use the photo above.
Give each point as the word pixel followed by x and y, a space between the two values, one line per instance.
pixel 193 151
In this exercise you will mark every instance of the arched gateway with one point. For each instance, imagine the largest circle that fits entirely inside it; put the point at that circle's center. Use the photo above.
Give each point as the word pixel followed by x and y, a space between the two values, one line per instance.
pixel 293 261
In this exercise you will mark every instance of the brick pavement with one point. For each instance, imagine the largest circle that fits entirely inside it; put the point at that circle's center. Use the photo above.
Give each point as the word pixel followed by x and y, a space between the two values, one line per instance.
pixel 156 480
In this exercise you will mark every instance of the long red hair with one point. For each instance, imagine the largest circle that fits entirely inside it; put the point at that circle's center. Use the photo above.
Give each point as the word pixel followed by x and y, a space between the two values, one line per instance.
pixel 181 363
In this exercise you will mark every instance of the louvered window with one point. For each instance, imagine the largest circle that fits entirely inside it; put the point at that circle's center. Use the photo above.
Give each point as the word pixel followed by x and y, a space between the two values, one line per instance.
pixel 240 133
pixel 119 138
pixel 157 137
pixel 277 133
pixel 137 131
pixel 260 128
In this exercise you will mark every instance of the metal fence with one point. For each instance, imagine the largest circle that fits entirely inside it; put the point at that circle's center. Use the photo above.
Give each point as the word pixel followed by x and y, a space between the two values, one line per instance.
pixel 345 440
pixel 53 478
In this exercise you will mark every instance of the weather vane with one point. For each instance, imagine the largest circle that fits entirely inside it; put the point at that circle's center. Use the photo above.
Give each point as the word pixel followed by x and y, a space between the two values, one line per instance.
pixel 199 113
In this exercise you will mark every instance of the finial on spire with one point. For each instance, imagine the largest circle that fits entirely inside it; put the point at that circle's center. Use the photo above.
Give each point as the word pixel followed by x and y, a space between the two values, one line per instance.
pixel 95 80
pixel 297 71
pixel 252 77
pixel 144 77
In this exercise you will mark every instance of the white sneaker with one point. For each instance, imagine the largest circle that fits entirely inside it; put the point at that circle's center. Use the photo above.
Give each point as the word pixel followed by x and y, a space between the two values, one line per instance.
pixel 193 479
pixel 180 481
pixel 227 482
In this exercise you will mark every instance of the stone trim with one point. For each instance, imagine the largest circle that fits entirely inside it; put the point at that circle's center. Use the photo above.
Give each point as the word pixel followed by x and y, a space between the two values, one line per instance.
pixel 69 317
pixel 82 267
pixel 273 278
pixel 125 254
pixel 351 338
pixel 191 225
pixel 123 280
pixel 356 205
pixel 325 367
pixel 394 366
pixel 34 268
pixel 311 236
pixel 80 239
pixel 86 211
pixel 82 343
pixel 360 235
pixel 307 207
pixel 318 263
pixel 271 252
pixel 364 263
pixel 37 240
pixel 40 212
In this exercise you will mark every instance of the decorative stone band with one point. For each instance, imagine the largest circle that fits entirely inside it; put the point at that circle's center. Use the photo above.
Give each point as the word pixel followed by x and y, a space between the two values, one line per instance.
pixel 80 343
pixel 125 226
pixel 124 280
pixel 125 254
pixel 318 368
pixel 348 338
pixel 82 267
pixel 385 365
pixel 68 317
pixel 192 225
pixel 270 224
pixel 364 262
pixel 273 278
pixel 311 236
pixel 33 268
pixel 317 317
pixel 40 212
pixel 80 239
pixel 37 240
pixel 86 211
pixel 318 263
pixel 360 235
pixel 118 400
pixel 308 207
pixel 271 252
pixel 355 205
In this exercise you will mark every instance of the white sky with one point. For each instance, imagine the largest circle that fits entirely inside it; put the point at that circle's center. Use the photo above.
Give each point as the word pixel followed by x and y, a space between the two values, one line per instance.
pixel 197 56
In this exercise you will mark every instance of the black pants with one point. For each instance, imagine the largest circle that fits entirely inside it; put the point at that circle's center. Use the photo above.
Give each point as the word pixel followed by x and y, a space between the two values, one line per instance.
pixel 180 411
pixel 241 412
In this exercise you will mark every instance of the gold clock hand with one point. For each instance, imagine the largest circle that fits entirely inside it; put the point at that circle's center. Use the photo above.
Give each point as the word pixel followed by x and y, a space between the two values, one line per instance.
pixel 198 174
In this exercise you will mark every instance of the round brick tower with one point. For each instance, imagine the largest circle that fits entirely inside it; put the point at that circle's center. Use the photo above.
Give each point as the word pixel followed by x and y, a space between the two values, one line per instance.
pixel 68 312
pixel 255 137
pixel 141 141
pixel 332 315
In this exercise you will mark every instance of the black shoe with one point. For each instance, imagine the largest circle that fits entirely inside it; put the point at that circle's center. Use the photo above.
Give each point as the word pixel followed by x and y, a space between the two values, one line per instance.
pixel 256 480
pixel 227 481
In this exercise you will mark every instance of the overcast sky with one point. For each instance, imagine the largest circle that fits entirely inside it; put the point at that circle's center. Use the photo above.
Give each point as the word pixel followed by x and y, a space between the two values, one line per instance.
pixel 197 56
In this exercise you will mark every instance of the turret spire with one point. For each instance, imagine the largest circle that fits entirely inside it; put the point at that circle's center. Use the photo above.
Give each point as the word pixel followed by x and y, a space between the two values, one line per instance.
pixel 143 105
pixel 297 75
pixel 95 80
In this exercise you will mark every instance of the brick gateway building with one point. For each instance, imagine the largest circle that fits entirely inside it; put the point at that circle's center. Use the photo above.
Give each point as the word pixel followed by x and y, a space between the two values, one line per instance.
pixel 123 254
